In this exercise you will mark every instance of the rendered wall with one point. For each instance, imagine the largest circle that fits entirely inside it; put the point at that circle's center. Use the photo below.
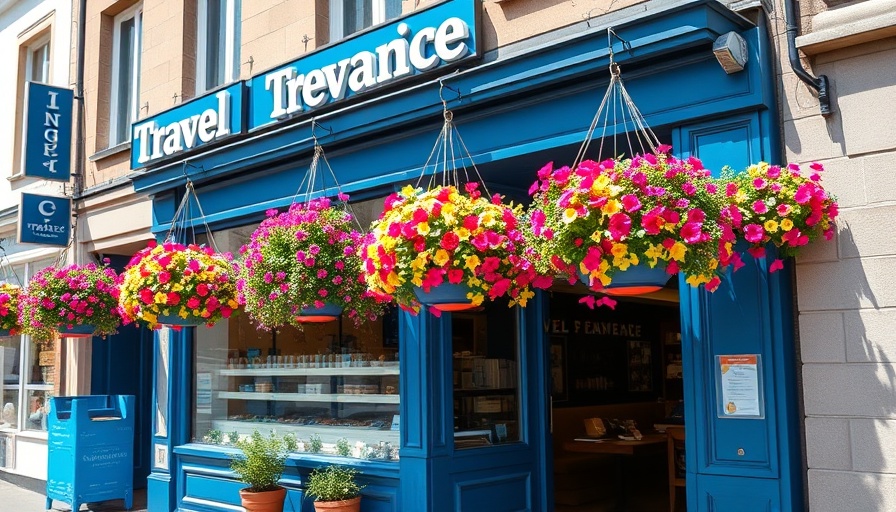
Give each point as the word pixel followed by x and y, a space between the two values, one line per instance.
pixel 846 293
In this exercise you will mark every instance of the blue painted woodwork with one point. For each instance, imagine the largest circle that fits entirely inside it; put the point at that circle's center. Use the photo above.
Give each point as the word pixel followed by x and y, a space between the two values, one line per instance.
pixel 515 112
pixel 90 443
pixel 190 321
pixel 121 364
pixel 205 482
pixel 172 412
pixel 741 464
pixel 328 310
pixel 79 331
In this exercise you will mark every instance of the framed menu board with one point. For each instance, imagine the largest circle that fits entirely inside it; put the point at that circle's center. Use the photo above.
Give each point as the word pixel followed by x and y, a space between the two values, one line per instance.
pixel 739 386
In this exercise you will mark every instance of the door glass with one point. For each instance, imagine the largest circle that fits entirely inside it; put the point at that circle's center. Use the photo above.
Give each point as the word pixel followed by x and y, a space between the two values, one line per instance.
pixel 485 346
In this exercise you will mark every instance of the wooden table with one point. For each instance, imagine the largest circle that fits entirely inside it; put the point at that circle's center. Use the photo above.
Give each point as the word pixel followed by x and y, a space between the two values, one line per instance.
pixel 649 444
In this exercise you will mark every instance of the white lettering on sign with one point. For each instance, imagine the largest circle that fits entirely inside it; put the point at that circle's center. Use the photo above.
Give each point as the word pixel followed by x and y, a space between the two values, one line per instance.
pixel 294 92
pixel 154 141
pixel 51 133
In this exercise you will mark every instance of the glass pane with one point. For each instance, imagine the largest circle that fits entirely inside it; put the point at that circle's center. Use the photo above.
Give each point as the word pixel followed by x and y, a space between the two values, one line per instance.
pixel 36 416
pixel 486 376
pixel 40 64
pixel 126 42
pixel 215 41
pixel 237 38
pixel 357 15
pixel 393 9
pixel 9 417
pixel 41 359
pixel 334 387
pixel 9 359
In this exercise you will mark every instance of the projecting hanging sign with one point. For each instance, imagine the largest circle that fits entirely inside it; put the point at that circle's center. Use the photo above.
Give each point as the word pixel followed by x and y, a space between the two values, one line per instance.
pixel 45 220
pixel 48 132
pixel 430 38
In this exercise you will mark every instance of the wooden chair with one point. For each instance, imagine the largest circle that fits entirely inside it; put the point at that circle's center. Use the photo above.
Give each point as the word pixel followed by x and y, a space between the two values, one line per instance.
pixel 675 444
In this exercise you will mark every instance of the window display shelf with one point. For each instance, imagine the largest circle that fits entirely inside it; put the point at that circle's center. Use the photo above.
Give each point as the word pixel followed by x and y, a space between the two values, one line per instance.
pixel 328 434
pixel 311 397
pixel 292 372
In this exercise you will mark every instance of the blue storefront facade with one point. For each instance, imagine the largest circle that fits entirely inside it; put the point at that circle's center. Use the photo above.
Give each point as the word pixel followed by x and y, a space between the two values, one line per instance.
pixel 246 147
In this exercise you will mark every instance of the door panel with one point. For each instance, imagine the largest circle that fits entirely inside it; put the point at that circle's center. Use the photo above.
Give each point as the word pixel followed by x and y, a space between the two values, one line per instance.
pixel 738 464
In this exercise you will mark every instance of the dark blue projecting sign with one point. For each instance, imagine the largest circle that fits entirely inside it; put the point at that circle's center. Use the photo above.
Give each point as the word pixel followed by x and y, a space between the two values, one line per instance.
pixel 48 132
pixel 45 220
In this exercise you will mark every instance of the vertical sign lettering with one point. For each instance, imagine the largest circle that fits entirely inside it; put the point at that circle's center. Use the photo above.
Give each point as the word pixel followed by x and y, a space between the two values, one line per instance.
pixel 48 132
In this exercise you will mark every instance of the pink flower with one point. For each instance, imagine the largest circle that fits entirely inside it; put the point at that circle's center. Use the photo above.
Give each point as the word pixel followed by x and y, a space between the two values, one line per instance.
pixel 630 202
pixel 776 266
pixel 691 232
pixel 753 233
pixel 760 207
pixel 620 226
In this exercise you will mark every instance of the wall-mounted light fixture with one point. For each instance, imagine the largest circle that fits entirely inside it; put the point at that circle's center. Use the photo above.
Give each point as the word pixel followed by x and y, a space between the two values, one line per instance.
pixel 731 52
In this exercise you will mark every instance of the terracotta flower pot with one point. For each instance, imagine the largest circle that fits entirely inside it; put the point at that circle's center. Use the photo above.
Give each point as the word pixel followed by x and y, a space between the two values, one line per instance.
pixel 267 501
pixel 352 505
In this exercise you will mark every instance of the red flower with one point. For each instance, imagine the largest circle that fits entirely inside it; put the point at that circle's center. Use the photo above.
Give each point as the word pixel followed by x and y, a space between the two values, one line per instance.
pixel 450 241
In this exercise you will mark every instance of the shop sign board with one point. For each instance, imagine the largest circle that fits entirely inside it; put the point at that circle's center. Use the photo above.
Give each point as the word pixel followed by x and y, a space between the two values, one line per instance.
pixel 188 126
pixel 48 132
pixel 408 46
pixel 434 37
pixel 44 220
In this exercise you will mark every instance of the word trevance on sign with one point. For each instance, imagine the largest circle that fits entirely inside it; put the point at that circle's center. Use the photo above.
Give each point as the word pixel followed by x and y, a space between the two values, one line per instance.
pixel 48 132
pixel 436 35
pixel 44 220
pixel 294 92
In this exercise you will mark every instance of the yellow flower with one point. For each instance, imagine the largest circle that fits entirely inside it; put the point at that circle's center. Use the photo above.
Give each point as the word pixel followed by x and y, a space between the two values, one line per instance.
pixel 611 207
pixel 677 251
pixel 786 224
pixel 696 281
pixel 393 279
pixel 476 299
pixel 423 228
pixel 600 183
pixel 569 215
pixel 619 250
pixel 448 209
pixel 462 233
pixel 419 262
pixel 487 219
pixel 160 298
pixel 441 257
pixel 472 262
pixel 407 191
pixel 771 226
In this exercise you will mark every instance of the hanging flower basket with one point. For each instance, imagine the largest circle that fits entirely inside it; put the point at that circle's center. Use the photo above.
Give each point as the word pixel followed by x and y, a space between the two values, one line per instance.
pixel 768 204
pixel 178 285
pixel 76 300
pixel 9 309
pixel 328 313
pixel 301 266
pixel 652 214
pixel 636 280
pixel 424 241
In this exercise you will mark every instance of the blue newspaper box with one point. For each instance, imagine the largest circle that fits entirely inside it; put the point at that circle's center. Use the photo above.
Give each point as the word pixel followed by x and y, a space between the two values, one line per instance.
pixel 91 449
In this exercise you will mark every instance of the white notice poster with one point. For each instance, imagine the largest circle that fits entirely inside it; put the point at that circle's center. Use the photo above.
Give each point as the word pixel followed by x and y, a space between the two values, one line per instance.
pixel 739 386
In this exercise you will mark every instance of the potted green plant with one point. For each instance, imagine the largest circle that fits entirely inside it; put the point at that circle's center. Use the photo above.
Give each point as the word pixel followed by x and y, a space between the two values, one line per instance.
pixel 260 465
pixel 334 489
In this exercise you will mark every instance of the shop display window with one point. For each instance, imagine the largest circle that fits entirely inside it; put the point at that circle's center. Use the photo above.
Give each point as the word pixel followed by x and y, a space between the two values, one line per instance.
pixel 332 385
pixel 485 346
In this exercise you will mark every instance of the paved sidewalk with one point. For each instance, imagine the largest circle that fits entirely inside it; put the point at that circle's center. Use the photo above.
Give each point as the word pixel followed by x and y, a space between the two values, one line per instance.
pixel 18 499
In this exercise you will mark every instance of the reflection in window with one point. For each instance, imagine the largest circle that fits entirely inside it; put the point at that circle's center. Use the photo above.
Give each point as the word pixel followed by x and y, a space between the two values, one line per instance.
pixel 219 43
pixel 350 16
pixel 333 386
pixel 486 376
pixel 126 51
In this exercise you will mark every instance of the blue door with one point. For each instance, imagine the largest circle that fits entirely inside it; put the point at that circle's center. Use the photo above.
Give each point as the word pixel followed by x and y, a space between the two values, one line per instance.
pixel 749 463
pixel 121 364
